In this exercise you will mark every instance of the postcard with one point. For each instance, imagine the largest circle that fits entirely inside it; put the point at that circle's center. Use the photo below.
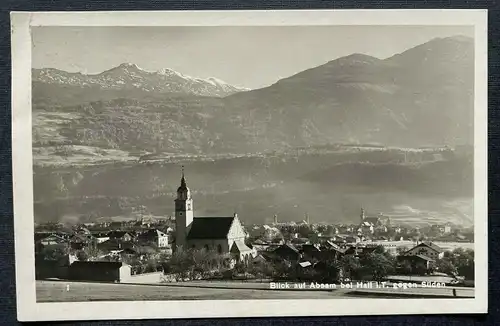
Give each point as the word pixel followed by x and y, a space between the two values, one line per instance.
pixel 249 163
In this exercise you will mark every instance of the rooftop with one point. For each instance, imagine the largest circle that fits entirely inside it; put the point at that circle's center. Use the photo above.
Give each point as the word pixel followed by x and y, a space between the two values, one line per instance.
pixel 210 227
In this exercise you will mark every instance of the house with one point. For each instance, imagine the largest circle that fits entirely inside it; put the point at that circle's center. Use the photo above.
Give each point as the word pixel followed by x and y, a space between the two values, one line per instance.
pixel 128 252
pixel 52 239
pixel 156 237
pixel 427 249
pixel 356 250
pixel 312 251
pixel 99 271
pixel 336 248
pixel 345 229
pixel 287 252
pixel 324 252
pixel 381 229
pixel 419 264
pixel 113 245
pixel 366 227
pixel 447 228
pixel 79 241
pixel 100 236
pixel 398 230
pixel 261 258
pixel 120 235
pixel 222 234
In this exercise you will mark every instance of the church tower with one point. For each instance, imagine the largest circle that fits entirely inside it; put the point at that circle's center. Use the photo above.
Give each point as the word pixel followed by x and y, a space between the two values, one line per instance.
pixel 183 213
pixel 362 215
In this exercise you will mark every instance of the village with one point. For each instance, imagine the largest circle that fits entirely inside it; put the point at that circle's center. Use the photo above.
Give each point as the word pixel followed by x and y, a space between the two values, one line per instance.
pixel 184 248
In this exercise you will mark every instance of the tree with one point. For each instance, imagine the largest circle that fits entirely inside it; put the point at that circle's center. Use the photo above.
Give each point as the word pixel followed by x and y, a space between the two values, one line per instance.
pixel 304 230
pixel 261 269
pixel 197 263
pixel 350 266
pixel 91 252
pixel 284 270
pixel 54 252
pixel 239 268
pixel 377 265
pixel 401 250
pixel 465 264
pixel 445 265
pixel 458 261
pixel 333 270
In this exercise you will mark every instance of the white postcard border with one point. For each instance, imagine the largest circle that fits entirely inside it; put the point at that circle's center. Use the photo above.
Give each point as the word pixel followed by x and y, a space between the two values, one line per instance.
pixel 27 307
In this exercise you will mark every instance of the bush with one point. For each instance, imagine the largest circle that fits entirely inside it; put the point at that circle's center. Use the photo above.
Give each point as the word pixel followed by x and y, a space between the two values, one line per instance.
pixel 377 265
pixel 458 261
pixel 197 263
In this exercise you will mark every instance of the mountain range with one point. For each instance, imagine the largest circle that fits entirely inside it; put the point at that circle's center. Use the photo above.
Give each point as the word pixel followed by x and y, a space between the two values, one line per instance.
pixel 421 97
pixel 129 76
pixel 356 117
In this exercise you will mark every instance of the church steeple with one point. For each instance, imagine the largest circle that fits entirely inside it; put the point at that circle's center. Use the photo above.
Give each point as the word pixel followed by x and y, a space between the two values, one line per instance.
pixel 183 192
pixel 183 179
pixel 183 212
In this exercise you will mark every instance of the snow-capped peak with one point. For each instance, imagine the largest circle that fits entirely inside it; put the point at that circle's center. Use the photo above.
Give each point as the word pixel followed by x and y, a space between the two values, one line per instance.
pixel 166 71
pixel 216 81
pixel 129 65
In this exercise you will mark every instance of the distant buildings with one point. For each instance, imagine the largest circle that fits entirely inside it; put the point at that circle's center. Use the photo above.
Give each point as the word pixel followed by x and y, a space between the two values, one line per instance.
pixel 368 224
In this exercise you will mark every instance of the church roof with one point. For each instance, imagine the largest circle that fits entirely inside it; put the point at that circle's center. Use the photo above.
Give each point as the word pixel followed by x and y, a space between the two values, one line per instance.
pixel 210 227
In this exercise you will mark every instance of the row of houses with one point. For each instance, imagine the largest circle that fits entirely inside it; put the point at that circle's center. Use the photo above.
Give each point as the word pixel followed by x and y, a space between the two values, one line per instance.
pixel 114 239
pixel 420 258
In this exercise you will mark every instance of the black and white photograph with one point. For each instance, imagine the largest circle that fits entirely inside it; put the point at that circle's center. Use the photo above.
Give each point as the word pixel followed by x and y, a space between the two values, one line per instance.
pixel 185 162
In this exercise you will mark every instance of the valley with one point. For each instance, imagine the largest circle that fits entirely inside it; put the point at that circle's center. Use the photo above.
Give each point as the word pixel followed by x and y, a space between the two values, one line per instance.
pixel 328 186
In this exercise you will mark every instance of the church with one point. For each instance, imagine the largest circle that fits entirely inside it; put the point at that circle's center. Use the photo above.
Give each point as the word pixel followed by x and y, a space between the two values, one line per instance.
pixel 222 234
pixel 368 224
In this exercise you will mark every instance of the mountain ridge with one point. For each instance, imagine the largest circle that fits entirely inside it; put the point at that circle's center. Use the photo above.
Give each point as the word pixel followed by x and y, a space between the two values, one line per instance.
pixel 129 75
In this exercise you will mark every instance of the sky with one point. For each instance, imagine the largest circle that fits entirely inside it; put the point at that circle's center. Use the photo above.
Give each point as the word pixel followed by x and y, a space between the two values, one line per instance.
pixel 252 57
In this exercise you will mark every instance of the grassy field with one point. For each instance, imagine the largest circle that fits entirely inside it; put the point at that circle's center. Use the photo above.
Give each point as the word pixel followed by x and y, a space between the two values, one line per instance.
pixel 48 291
pixel 57 291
